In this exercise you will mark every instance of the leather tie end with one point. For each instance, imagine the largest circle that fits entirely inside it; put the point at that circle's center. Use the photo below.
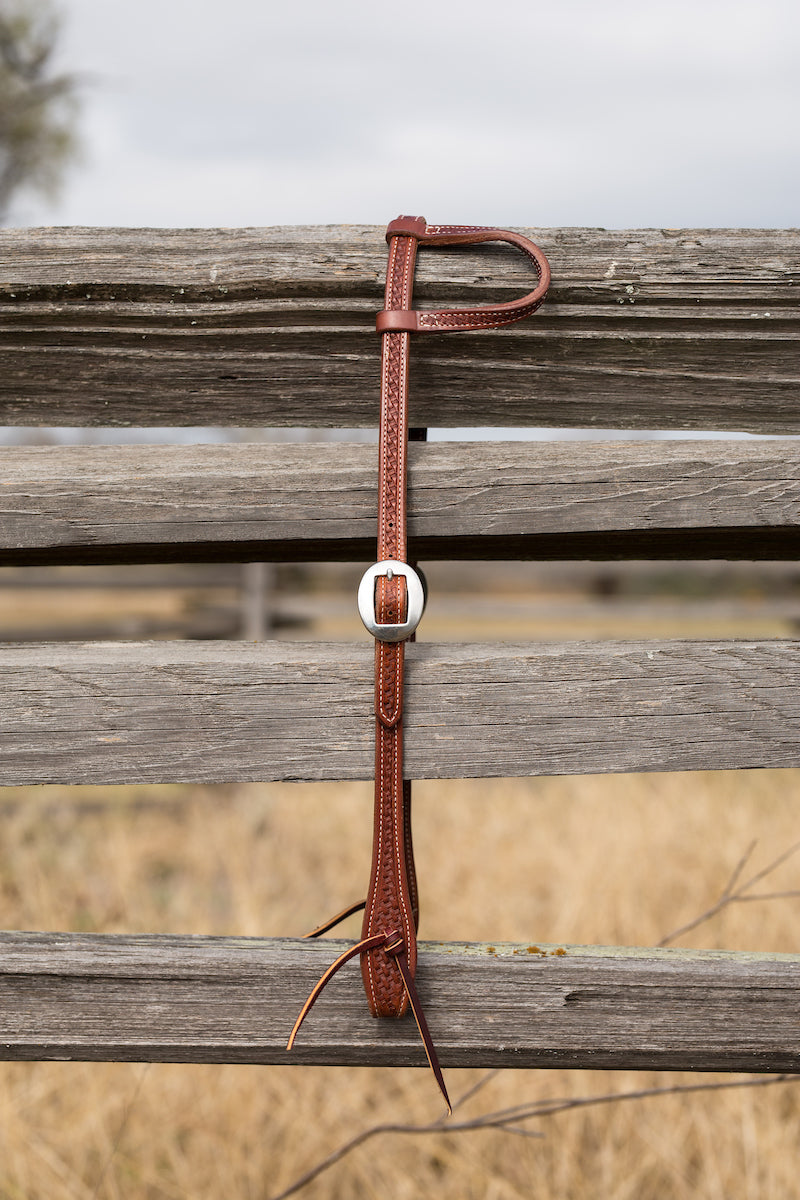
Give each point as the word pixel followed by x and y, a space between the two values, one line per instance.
pixel 394 943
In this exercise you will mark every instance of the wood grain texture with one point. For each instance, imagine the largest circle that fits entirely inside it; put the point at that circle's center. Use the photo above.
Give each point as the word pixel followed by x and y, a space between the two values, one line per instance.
pixel 196 999
pixel 690 329
pixel 214 712
pixel 318 501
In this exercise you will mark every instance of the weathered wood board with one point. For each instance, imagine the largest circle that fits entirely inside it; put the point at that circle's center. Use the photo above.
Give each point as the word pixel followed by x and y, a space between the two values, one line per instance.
pixel 318 501
pixel 195 999
pixel 688 329
pixel 216 712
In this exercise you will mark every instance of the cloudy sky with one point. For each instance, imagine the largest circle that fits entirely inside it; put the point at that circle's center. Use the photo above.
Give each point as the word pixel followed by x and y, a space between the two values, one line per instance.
pixel 580 112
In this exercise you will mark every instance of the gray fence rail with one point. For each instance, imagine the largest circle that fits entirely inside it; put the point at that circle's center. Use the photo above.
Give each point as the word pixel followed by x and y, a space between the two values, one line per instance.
pixel 683 330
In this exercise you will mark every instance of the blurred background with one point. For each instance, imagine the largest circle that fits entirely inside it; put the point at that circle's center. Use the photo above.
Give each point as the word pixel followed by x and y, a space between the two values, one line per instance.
pixel 198 113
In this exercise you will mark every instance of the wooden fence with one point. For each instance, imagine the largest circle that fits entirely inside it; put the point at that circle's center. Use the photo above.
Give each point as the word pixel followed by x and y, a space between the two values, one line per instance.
pixel 683 329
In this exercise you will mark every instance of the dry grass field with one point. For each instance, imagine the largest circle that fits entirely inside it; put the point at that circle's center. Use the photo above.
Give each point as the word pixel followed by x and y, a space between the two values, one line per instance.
pixel 601 859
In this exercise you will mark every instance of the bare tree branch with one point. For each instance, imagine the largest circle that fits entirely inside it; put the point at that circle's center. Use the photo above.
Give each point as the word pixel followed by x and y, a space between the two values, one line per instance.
pixel 506 1120
pixel 731 894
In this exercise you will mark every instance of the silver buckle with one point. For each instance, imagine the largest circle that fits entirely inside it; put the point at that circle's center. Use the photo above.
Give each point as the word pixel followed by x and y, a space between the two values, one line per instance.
pixel 416 598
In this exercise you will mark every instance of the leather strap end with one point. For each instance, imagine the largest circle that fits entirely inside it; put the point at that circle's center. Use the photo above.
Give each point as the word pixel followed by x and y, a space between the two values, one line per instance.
pixel 370 943
pixel 406 227
pixel 334 921
pixel 395 947
pixel 397 320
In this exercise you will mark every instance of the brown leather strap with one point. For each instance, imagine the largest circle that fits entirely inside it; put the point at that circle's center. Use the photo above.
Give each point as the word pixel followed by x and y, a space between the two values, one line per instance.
pixel 389 899
pixel 389 902
pixel 388 946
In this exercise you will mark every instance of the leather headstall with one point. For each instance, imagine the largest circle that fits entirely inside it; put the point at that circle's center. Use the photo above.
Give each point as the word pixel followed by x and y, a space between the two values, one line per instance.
pixel 391 599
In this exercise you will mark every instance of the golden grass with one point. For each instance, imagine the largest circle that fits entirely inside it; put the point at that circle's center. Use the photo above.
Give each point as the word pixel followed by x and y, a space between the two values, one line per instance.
pixel 594 859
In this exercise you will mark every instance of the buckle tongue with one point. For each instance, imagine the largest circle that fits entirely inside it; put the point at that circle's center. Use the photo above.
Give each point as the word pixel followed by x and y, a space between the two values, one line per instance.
pixel 415 600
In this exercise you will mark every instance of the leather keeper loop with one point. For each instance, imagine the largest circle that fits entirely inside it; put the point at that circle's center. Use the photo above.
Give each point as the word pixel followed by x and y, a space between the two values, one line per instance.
pixel 406 227
pixel 397 320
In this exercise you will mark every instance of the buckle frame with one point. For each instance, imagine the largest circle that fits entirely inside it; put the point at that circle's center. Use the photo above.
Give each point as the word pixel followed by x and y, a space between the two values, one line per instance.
pixel 416 599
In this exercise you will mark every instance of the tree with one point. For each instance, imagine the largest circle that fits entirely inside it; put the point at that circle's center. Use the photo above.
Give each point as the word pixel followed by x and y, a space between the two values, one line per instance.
pixel 37 106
